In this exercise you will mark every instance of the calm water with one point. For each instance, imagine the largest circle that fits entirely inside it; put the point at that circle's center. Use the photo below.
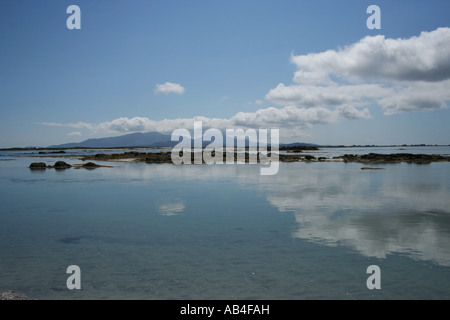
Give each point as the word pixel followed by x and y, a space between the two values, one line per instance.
pixel 147 231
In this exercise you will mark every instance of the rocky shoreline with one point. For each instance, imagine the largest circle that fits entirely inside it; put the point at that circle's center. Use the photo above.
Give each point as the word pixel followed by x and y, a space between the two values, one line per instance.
pixel 166 157
pixel 293 156
pixel 373 158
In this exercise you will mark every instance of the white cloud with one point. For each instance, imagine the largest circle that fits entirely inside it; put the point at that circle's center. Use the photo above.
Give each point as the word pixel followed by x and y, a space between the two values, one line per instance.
pixel 420 96
pixel 291 120
pixel 422 58
pixel 74 133
pixel 350 112
pixel 289 116
pixel 169 87
pixel 397 74
pixel 324 96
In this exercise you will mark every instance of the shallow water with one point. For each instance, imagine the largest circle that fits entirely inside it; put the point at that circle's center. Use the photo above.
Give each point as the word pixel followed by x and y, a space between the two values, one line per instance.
pixel 160 231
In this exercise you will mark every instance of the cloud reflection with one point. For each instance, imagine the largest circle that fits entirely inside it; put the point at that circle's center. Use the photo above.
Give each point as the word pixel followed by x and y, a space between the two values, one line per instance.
pixel 403 209
pixel 171 208
pixel 376 213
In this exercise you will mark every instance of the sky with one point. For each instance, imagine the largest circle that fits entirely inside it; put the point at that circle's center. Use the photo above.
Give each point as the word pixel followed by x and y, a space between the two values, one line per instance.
pixel 312 69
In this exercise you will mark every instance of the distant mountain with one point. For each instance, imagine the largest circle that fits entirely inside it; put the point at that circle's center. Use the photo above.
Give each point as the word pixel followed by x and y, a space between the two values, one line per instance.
pixel 149 139
pixel 298 144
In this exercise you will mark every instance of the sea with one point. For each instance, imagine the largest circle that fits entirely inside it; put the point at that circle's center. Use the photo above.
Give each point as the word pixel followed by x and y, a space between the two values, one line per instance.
pixel 313 231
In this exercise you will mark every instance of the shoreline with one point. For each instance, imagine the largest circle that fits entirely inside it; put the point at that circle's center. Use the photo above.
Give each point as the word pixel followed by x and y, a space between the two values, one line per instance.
pixel 292 156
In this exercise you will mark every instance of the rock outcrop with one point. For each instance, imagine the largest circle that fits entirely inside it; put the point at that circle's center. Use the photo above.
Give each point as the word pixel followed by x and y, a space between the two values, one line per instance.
pixel 90 165
pixel 38 166
pixel 394 158
pixel 61 165
pixel 42 165
pixel 11 295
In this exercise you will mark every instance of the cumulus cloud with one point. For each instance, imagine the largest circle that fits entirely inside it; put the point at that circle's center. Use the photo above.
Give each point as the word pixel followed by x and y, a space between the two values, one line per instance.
pixel 420 96
pixel 169 87
pixel 397 74
pixel 74 133
pixel 292 120
pixel 289 116
pixel 350 112
pixel 421 58
pixel 330 95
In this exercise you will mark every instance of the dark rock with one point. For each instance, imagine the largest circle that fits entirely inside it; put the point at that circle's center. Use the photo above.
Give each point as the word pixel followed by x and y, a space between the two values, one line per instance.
pixel 132 153
pixel 90 165
pixel 290 158
pixel 42 165
pixel 101 155
pixel 158 157
pixel 62 165
pixel 38 166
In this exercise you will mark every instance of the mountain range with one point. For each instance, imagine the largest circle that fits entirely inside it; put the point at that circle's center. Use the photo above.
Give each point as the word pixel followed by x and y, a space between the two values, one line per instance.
pixel 148 139
pixel 138 139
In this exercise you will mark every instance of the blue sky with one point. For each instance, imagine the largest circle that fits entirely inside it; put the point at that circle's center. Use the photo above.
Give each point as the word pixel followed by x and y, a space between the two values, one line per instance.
pixel 255 63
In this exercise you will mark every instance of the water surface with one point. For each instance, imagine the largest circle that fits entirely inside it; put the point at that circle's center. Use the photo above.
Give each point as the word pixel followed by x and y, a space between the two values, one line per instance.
pixel 160 231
